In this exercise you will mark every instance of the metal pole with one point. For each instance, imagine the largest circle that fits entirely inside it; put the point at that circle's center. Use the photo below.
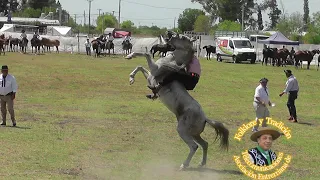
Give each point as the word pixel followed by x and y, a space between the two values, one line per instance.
pixel 99 11
pixel 242 25
pixel 119 14
pixel 89 16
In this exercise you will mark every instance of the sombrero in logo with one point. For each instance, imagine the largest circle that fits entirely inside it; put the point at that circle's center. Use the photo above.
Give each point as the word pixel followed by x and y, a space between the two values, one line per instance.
pixel 265 130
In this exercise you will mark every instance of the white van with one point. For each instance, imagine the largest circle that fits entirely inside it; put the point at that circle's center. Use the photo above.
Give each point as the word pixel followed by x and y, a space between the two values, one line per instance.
pixel 235 48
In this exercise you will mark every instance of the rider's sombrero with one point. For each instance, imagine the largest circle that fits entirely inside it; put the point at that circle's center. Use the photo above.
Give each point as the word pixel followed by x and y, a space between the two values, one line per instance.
pixel 265 130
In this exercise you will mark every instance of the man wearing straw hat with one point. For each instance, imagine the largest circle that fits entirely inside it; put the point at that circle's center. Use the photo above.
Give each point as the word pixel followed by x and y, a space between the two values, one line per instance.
pixel 262 155
pixel 260 103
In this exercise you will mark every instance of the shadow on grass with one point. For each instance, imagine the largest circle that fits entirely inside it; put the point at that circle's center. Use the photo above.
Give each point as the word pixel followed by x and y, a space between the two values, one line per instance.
pixel 19 127
pixel 214 171
pixel 305 123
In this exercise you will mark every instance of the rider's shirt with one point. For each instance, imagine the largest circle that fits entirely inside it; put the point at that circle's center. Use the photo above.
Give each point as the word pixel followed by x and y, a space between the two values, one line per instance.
pixel 23 35
pixel 127 38
pixel 194 66
pixel 110 38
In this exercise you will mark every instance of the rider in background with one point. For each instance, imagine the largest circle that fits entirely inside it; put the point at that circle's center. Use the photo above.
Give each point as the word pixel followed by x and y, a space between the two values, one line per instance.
pixel 110 37
pixel 127 38
pixel 23 34
pixel 36 35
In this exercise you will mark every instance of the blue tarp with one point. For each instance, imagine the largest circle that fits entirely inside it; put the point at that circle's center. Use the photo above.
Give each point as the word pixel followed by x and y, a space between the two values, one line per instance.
pixel 278 38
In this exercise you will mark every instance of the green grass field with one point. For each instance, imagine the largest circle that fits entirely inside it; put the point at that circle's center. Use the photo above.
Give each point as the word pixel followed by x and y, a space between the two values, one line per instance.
pixel 78 118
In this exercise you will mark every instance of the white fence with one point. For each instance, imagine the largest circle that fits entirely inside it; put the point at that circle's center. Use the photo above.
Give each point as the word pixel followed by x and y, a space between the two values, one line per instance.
pixel 75 44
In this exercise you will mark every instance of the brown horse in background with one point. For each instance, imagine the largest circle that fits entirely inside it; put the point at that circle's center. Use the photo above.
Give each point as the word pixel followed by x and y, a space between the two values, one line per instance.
pixel 2 43
pixel 282 55
pixel 50 43
pixel 301 56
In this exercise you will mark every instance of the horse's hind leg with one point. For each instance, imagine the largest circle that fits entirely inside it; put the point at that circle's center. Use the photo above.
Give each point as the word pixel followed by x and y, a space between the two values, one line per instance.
pixel 204 145
pixel 188 139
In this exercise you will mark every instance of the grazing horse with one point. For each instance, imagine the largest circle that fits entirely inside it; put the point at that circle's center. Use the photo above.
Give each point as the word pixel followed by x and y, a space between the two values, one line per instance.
pixel 23 44
pixel 14 43
pixel 36 43
pixel 210 49
pixel 301 56
pixel 50 43
pixel 162 48
pixel 2 43
pixel 127 47
pixel 189 113
pixel 110 46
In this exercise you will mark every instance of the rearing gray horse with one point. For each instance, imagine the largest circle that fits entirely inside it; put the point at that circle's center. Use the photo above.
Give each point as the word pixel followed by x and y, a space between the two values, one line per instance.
pixel 190 116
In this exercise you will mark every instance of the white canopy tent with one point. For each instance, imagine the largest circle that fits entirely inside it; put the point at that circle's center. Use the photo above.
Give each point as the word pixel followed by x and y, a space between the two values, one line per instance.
pixel 59 31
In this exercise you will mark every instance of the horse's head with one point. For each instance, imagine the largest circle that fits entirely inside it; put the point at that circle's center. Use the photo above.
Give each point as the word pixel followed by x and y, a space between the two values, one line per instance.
pixel 2 36
pixel 315 51
pixel 180 42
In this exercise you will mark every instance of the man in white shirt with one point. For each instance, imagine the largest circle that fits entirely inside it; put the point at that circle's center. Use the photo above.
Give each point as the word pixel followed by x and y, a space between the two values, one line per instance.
pixel 88 47
pixel 260 102
pixel 8 89
pixel 110 37
pixel 292 88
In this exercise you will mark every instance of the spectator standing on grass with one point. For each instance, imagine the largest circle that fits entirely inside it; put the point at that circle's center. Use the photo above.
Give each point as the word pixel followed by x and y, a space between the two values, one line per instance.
pixel 88 47
pixel 8 89
pixel 260 103
pixel 292 88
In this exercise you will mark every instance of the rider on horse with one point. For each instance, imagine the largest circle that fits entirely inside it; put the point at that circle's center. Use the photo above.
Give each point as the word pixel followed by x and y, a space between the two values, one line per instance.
pixel 23 35
pixel 189 77
pixel 36 35
pixel 110 38
pixel 127 38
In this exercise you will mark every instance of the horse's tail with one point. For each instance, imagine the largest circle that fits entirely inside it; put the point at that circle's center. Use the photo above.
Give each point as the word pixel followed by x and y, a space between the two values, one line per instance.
pixel 221 131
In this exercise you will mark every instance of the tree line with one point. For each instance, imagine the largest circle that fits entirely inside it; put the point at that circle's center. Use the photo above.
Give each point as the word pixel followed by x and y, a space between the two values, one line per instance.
pixel 228 14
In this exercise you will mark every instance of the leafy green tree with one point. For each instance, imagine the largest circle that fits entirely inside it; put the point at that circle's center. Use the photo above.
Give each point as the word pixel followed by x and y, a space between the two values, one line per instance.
pixel 106 21
pixel 313 35
pixel 187 19
pixel 228 9
pixel 228 26
pixel 274 14
pixel 291 25
pixel 128 25
pixel 202 24
pixel 39 4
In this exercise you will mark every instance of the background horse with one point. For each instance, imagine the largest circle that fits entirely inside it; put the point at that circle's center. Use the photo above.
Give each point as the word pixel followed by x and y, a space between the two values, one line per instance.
pixel 190 116
pixel 210 49
pixel 282 55
pixel 301 56
pixel 162 48
pixel 269 53
pixel 110 46
pixel 36 43
pixel 2 43
pixel 24 44
pixel 96 48
pixel 14 43
pixel 51 43
pixel 127 47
